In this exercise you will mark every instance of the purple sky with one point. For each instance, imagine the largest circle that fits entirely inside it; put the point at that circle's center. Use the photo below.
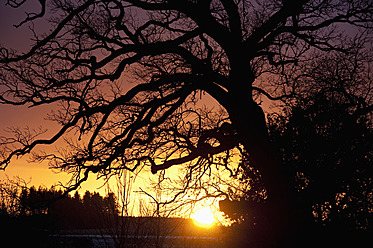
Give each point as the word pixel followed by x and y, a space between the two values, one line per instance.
pixel 17 38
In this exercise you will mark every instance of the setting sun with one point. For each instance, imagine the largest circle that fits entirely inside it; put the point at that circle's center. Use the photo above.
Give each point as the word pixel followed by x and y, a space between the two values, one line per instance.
pixel 203 218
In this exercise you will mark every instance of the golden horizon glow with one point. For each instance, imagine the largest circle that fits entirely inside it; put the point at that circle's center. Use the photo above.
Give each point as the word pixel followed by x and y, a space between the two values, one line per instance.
pixel 203 217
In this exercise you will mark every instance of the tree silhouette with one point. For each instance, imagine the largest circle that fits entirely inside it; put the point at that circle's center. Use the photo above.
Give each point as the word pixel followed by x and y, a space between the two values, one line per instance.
pixel 326 141
pixel 172 51
pixel 325 137
pixel 329 154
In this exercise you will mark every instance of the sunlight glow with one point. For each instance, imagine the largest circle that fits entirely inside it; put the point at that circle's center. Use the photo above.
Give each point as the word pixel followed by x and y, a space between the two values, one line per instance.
pixel 203 218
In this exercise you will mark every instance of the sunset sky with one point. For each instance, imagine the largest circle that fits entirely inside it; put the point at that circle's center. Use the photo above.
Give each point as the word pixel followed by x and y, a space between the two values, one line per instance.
pixel 21 116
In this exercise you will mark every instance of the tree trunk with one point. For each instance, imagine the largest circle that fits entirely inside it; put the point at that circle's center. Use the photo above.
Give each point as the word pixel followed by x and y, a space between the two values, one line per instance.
pixel 274 220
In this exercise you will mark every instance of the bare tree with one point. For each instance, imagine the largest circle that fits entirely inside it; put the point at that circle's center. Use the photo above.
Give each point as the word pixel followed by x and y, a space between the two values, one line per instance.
pixel 173 51
pixel 136 222
pixel 10 191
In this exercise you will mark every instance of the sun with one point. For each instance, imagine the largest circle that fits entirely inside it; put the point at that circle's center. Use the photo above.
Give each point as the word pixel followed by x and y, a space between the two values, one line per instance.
pixel 203 218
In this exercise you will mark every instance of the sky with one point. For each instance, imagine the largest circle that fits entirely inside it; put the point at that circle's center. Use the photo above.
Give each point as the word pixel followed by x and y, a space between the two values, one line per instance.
pixel 21 116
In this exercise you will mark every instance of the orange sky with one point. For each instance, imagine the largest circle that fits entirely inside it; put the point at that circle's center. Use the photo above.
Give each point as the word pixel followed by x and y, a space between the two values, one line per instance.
pixel 21 116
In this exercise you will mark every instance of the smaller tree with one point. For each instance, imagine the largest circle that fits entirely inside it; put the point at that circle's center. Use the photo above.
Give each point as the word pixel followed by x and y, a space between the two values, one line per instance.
pixel 330 157
pixel 9 196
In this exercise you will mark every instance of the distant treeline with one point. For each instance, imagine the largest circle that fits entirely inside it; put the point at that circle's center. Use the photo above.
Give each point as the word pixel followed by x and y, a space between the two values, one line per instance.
pixel 54 209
